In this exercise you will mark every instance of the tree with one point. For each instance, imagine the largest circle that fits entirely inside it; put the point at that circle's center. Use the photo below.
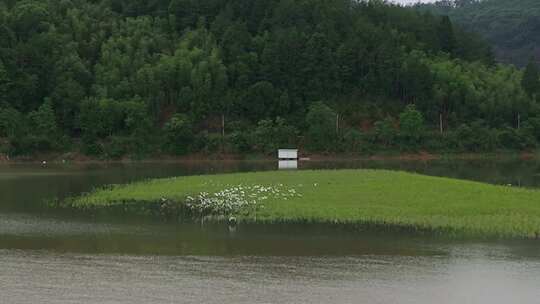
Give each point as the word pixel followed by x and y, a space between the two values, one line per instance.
pixel 113 73
pixel 44 120
pixel 531 79
pixel 416 78
pixel 321 123
pixel 44 132
pixel 138 126
pixel 29 18
pixel 353 141
pixel 447 38
pixel 193 79
pixel 4 83
pixel 11 123
pixel 411 124
pixel 385 131
pixel 72 80
pixel 260 100
pixel 182 13
pixel 271 135
pixel 179 134
pixel 318 67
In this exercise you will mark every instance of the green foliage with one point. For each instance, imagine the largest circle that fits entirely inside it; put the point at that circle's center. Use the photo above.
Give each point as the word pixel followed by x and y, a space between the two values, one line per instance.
pixel 532 127
pixel 179 134
pixel 208 142
pixel 44 120
pixel 29 18
pixel 44 133
pixel 531 79
pixel 357 197
pixel 321 122
pixel 509 25
pixel 260 100
pixel 115 147
pixel 193 79
pixel 416 78
pixel 111 74
pixel 411 125
pixel 11 123
pixel 102 119
pixel 476 138
pixel 511 138
pixel 353 141
pixel 271 135
pixel 447 39
pixel 4 83
pixel 385 131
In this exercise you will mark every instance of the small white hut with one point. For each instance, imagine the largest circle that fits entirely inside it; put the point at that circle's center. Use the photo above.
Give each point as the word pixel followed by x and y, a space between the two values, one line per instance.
pixel 288 154
pixel 288 159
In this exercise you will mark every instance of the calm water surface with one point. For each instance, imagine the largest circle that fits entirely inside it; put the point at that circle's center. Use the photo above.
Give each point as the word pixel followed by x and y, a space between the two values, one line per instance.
pixel 48 256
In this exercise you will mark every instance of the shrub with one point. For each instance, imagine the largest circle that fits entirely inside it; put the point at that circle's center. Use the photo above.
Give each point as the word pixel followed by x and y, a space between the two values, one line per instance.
pixel 239 141
pixel 411 122
pixel 353 141
pixel 474 138
pixel 105 118
pixel 321 123
pixel 116 147
pixel 271 135
pixel 5 147
pixel 91 146
pixel 411 127
pixel 214 142
pixel 44 135
pixel 179 134
pixel 385 131
pixel 101 118
pixel 11 123
pixel 510 138
pixel 532 126
pixel 435 141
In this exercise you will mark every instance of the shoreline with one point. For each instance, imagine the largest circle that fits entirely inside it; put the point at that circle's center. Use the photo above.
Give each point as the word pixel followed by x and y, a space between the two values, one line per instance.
pixel 76 158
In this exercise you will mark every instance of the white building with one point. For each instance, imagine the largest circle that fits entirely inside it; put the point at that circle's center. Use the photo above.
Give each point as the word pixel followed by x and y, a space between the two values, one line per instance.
pixel 288 154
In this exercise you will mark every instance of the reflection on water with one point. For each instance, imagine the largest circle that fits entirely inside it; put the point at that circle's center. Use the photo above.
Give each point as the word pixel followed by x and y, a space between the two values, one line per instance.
pixel 72 278
pixel 288 164
pixel 23 187
pixel 193 238
pixel 48 256
pixel 26 224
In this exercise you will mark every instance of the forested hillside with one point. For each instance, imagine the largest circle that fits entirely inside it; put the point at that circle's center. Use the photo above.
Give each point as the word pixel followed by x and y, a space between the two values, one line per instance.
pixel 116 77
pixel 512 26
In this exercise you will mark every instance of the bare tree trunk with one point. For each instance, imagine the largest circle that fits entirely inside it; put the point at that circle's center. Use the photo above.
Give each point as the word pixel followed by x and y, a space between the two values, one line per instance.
pixel 223 125
pixel 441 123
pixel 222 133
pixel 337 124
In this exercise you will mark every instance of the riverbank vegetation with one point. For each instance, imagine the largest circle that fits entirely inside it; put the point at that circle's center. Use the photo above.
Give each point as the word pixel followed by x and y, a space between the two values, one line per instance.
pixel 350 197
pixel 108 78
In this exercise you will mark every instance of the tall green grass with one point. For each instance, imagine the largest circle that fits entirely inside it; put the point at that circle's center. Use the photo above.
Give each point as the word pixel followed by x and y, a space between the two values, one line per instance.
pixel 371 197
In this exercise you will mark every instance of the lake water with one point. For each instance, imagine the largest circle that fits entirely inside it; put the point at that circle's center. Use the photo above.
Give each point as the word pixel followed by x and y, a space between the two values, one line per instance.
pixel 48 256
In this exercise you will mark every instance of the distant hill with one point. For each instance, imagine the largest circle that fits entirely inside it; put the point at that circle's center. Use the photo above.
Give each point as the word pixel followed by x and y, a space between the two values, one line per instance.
pixel 512 26
pixel 111 78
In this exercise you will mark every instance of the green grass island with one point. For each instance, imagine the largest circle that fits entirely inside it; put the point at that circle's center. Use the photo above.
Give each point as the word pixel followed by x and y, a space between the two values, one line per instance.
pixel 377 198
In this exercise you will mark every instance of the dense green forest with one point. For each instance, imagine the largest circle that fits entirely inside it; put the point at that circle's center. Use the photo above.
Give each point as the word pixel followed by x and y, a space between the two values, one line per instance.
pixel 115 77
pixel 511 26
